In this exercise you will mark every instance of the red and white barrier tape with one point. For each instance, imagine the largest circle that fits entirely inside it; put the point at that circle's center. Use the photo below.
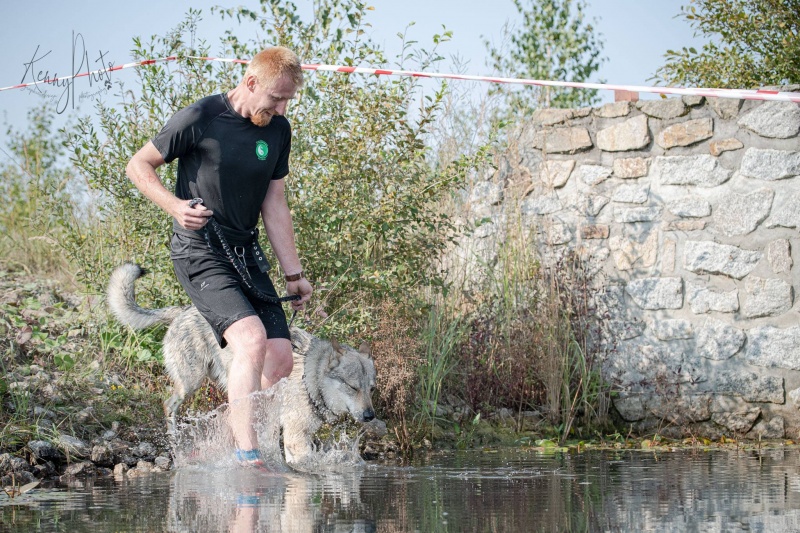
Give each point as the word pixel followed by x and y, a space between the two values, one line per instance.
pixel 739 94
pixel 57 80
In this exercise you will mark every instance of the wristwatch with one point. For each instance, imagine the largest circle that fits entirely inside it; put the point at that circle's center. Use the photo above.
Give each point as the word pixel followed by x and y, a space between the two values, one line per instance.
pixel 293 277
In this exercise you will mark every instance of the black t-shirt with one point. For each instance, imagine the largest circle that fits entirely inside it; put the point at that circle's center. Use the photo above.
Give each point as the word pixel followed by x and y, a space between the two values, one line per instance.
pixel 225 159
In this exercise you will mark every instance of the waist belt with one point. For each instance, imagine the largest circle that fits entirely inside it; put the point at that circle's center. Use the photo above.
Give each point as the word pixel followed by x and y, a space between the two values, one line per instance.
pixel 242 242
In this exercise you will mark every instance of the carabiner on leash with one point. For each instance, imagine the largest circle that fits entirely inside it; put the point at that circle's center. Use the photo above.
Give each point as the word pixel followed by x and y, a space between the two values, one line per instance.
pixel 239 262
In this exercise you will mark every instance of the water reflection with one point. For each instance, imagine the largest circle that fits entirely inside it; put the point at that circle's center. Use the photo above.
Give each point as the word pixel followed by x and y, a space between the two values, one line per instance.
pixel 251 500
pixel 469 492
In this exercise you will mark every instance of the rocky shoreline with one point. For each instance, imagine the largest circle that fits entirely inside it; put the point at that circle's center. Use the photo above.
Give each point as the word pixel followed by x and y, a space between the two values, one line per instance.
pixel 73 406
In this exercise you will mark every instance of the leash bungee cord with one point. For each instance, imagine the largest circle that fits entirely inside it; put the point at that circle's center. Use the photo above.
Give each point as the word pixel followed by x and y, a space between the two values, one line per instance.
pixel 240 266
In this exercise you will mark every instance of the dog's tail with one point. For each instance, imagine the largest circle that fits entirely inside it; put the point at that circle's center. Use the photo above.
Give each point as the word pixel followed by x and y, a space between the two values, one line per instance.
pixel 122 300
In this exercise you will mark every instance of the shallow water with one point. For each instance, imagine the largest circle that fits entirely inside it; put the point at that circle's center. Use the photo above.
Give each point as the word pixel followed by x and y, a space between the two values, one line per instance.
pixel 473 491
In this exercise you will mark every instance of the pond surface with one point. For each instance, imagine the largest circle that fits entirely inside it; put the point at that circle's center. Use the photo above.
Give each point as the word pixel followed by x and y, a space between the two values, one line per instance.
pixel 473 491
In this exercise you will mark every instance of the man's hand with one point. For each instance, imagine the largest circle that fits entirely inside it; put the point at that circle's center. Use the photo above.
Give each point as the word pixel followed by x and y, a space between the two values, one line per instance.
pixel 302 287
pixel 193 218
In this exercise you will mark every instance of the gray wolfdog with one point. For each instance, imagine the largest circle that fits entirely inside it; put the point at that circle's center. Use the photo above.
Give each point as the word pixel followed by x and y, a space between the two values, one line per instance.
pixel 328 379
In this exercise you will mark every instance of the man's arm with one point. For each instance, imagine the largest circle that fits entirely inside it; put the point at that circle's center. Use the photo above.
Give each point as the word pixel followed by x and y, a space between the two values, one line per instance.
pixel 278 223
pixel 141 170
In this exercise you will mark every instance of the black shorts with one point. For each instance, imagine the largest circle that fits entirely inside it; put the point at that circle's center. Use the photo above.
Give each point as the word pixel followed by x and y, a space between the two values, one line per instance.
pixel 216 289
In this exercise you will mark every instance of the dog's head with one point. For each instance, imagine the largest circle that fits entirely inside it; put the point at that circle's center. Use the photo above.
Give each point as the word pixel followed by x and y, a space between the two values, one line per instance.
pixel 341 376
pixel 348 382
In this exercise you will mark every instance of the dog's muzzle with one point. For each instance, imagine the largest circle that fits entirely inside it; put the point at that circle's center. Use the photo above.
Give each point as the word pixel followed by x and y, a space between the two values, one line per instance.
pixel 368 415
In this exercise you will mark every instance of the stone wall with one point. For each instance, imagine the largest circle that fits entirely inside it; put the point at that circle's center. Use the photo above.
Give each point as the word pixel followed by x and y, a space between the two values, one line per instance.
pixel 689 208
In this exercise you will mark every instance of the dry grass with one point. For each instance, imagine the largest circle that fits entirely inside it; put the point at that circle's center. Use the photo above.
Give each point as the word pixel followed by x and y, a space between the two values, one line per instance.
pixel 396 347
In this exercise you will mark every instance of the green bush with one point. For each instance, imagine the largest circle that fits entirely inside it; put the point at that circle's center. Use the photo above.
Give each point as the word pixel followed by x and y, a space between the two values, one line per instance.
pixel 364 200
pixel 36 192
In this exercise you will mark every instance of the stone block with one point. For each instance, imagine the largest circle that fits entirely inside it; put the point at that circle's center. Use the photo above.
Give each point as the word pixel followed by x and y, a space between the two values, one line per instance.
pixel 740 214
pixel 686 133
pixel 734 413
pixel 740 421
pixel 725 145
pixel 777 120
pixel 562 140
pixel 45 451
pixel 749 386
pixel 664 109
pixel 668 254
pixel 103 455
pixel 551 116
pixel 613 110
pixel 773 347
pixel 770 165
pixel 623 330
pixel 541 204
pixel 692 100
pixel 637 214
pixel 486 193
pixel 718 341
pixel 700 170
pixel 708 257
pixel 681 410
pixel 628 253
pixel 787 213
pixel 629 135
pixel 656 293
pixel 592 204
pixel 725 108
pixel 684 225
pixel 689 206
pixel 635 362
pixel 595 231
pixel 772 429
pixel 78 470
pixel 794 397
pixel 673 329
pixel 631 194
pixel 779 255
pixel 557 233
pixel 554 173
pixel 766 297
pixel 74 447
pixel 593 174
pixel 704 300
pixel 631 407
pixel 631 167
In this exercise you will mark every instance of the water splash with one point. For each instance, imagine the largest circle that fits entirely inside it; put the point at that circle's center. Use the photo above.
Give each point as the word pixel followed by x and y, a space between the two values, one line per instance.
pixel 205 441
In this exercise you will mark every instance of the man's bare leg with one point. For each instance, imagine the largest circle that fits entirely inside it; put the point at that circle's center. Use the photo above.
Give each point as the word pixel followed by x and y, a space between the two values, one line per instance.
pixel 278 362
pixel 258 363
pixel 248 341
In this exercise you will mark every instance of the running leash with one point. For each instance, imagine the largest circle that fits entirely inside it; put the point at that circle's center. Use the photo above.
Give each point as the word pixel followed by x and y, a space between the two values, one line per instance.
pixel 239 264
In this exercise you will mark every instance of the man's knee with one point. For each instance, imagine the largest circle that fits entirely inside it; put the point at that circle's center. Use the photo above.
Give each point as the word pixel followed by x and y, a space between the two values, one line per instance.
pixel 248 340
pixel 279 362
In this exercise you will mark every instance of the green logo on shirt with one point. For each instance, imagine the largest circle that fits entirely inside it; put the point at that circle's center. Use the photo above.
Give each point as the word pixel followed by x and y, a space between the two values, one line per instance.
pixel 262 149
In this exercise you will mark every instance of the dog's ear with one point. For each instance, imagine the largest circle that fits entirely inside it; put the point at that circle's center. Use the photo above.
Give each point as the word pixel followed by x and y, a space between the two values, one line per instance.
pixel 336 354
pixel 365 349
pixel 336 346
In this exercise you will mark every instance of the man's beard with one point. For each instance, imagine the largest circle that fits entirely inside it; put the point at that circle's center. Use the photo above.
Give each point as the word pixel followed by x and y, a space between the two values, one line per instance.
pixel 261 118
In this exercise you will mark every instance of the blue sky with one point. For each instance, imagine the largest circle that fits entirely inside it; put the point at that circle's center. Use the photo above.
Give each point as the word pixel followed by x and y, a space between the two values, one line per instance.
pixel 636 35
